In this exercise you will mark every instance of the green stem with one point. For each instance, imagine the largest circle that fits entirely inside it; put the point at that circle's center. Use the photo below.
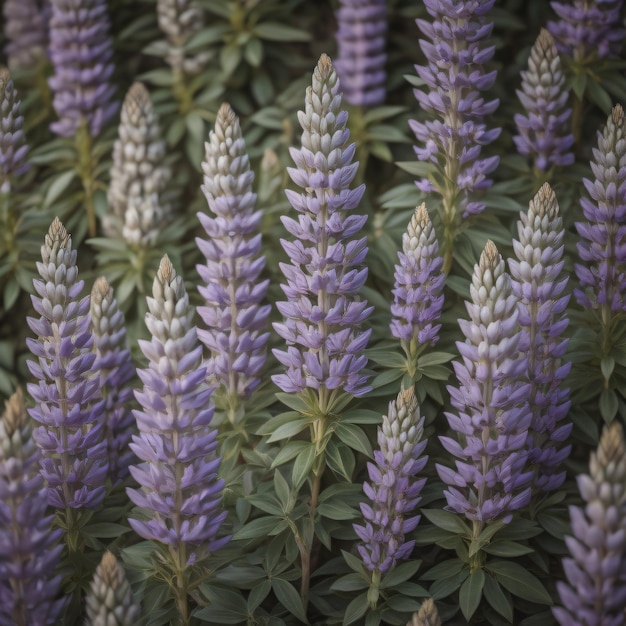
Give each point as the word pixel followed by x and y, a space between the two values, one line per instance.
pixel 181 584
pixel 86 167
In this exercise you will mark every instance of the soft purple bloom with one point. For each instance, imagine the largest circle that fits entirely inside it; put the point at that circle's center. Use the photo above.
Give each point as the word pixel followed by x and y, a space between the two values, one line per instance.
pixel 235 320
pixel 539 283
pixel 81 52
pixel 180 492
pixel 115 367
pixel 595 591
pixel 454 78
pixel 602 246
pixel 13 148
pixel 419 281
pixel 323 314
pixel 30 549
pixel 68 406
pixel 544 131
pixel 491 479
pixel 26 32
pixel 588 27
pixel 393 491
pixel 360 62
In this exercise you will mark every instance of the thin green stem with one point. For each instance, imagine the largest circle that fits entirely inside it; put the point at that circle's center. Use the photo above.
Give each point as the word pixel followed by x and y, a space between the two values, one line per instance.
pixel 86 168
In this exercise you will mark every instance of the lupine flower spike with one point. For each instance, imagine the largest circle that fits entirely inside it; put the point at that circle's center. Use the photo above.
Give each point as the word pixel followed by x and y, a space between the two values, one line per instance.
pixel 360 63
pixel 110 599
pixel 323 314
pixel 235 320
pixel 68 405
pixel 539 283
pixel 30 549
pixel 83 94
pixel 138 176
pixel 544 128
pixel 595 591
pixel 394 489
pixel 419 281
pixel 454 78
pixel 427 615
pixel 115 367
pixel 180 492
pixel 26 32
pixel 492 420
pixel 13 148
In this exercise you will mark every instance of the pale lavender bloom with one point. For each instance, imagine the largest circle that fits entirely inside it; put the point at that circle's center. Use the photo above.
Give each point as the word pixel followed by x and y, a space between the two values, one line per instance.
pixel 454 78
pixel 491 479
pixel 419 281
pixel 26 32
pixel 180 492
pixel 67 395
pixel 394 490
pixel 539 283
pixel 235 319
pixel 13 148
pixel 360 62
pixel 323 314
pixel 544 132
pixel 588 27
pixel 595 591
pixel 115 367
pixel 30 549
pixel 602 246
pixel 81 52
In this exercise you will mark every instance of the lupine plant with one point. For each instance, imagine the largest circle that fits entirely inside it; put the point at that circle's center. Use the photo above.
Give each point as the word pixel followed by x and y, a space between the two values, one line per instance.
pixel 13 147
pixel 26 31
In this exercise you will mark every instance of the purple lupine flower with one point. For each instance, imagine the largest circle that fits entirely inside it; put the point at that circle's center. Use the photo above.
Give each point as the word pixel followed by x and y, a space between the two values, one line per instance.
pixel 180 491
pixel 110 599
pixel 428 615
pixel 490 480
pixel 544 131
pixel 30 549
pixel 235 320
pixel 323 313
pixel 139 178
pixel 361 58
pixel 454 78
pixel 68 405
pixel 603 236
pixel 418 287
pixel 116 370
pixel 26 32
pixel 13 148
pixel 539 282
pixel 81 51
pixel 393 491
pixel 595 591
pixel 588 27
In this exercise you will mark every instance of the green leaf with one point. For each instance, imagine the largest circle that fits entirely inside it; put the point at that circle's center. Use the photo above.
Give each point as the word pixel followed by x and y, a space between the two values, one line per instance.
pixel 608 404
pixel 519 581
pixel 350 582
pixel 258 593
pixel 434 358
pixel 497 598
pixel 293 401
pixel 337 510
pixel 281 488
pixel 275 31
pixel 56 189
pixel 507 548
pixel 471 592
pixel 230 56
pixel 381 113
pixel 448 521
pixel 105 530
pixel 289 598
pixel 302 466
pixel 448 568
pixel 607 365
pixel 253 52
pixel 354 437
pixel 400 574
pixel 387 358
pixel 356 609
pixel 340 460
pixel 258 528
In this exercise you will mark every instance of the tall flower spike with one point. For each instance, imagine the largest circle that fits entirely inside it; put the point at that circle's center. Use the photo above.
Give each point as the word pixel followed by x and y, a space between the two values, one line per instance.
pixel 419 281
pixel 360 63
pixel 68 403
pixel 393 490
pixel 427 615
pixel 323 314
pixel 13 148
pixel 490 480
pixel 539 283
pixel 110 599
pixel 544 130
pixel 82 91
pixel 26 32
pixel 595 593
pixel 116 370
pixel 138 177
pixel 235 320
pixel 454 78
pixel 29 549
pixel 602 246
pixel 588 27
pixel 180 491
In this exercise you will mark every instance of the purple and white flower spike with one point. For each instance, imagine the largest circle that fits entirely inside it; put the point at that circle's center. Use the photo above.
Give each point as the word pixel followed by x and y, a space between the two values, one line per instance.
pixel 26 32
